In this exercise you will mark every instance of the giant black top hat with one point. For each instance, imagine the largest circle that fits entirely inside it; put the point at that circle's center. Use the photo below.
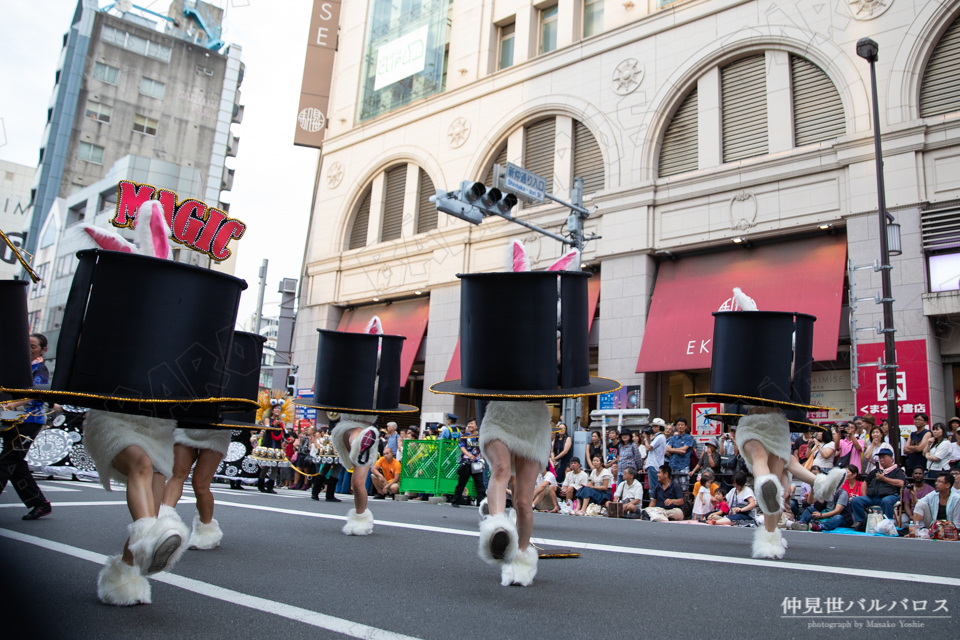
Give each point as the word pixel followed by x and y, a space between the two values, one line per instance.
pixel 14 337
pixel 508 337
pixel 243 381
pixel 762 358
pixel 357 373
pixel 146 336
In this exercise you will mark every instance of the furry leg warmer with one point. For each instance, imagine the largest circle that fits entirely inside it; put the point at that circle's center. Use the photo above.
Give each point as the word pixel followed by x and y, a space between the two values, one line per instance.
pixel 498 539
pixel 521 570
pixel 358 524
pixel 827 484
pixel 205 536
pixel 122 585
pixel 768 544
pixel 769 493
pixel 157 543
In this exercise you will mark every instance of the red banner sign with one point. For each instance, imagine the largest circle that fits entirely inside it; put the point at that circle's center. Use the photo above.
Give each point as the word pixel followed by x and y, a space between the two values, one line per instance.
pixel 193 223
pixel 913 390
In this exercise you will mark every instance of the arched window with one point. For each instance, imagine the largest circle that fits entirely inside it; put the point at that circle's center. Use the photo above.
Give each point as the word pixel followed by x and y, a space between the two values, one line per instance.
pixel 384 202
pixel 587 158
pixel 680 143
pixel 539 148
pixel 940 88
pixel 744 108
pixel 817 109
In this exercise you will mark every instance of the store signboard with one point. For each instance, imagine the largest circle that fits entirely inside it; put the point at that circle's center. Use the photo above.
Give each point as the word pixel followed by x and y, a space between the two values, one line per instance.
pixel 317 74
pixel 401 58
pixel 622 398
pixel 307 413
pixel 913 391
pixel 832 389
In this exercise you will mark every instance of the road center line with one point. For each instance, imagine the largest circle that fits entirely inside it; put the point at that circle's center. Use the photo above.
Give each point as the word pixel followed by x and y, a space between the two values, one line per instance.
pixel 261 605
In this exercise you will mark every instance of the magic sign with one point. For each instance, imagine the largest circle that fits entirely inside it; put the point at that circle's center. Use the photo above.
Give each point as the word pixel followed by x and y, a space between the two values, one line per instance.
pixel 194 224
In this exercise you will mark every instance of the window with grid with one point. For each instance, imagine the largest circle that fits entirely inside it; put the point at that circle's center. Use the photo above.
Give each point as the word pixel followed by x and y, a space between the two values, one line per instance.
pixel 136 44
pixel 679 152
pixel 143 124
pixel 539 149
pixel 90 152
pixel 817 108
pixel 426 210
pixel 105 73
pixel 592 17
pixel 744 108
pixel 358 234
pixel 98 111
pixel 940 88
pixel 152 88
pixel 587 158
pixel 396 182
pixel 548 28
pixel 37 289
pixel 507 33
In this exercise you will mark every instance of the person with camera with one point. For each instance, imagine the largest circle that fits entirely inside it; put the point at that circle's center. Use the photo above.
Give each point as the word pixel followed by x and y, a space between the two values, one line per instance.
pixel 656 443
pixel 883 488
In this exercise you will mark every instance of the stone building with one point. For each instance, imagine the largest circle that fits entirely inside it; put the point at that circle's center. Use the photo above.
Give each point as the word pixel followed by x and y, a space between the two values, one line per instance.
pixel 722 143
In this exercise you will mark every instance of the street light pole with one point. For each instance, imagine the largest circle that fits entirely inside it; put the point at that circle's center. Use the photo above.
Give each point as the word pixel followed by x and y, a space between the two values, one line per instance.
pixel 868 49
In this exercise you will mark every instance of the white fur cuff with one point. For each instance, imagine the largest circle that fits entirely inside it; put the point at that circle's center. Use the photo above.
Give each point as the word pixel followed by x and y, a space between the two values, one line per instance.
pixel 826 484
pixel 769 494
pixel 767 544
pixel 522 570
pixel 122 585
pixel 488 528
pixel 205 536
pixel 358 524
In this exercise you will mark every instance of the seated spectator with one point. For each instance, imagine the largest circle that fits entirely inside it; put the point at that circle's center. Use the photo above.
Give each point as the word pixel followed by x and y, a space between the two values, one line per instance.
pixel 629 491
pixel 883 488
pixel 940 504
pixel 614 470
pixel 575 480
pixel 913 492
pixel 835 514
pixel 666 498
pixel 613 448
pixel 742 502
pixel 710 459
pixel 938 451
pixel 854 485
pixel 956 480
pixel 702 501
pixel 545 494
pixel 597 488
pixel 720 507
pixel 386 475
pixel 705 478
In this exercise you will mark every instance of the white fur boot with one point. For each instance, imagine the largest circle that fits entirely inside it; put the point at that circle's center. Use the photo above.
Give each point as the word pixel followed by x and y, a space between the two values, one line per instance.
pixel 769 494
pixel 484 509
pixel 365 442
pixel 767 544
pixel 521 570
pixel 205 536
pixel 358 524
pixel 498 539
pixel 157 543
pixel 827 484
pixel 122 585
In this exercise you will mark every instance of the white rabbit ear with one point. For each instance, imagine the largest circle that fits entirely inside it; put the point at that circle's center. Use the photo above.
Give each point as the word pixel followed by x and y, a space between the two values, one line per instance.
pixel 108 239
pixel 745 302
pixel 517 257
pixel 569 262
pixel 152 232
pixel 374 326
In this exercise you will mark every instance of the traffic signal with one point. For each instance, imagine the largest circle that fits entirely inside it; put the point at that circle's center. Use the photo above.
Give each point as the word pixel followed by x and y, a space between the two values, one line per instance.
pixel 455 204
pixel 292 385
pixel 474 201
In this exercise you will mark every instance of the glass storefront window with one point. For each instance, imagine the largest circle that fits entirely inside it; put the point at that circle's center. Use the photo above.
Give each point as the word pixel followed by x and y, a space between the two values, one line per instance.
pixel 592 17
pixel 403 54
pixel 548 29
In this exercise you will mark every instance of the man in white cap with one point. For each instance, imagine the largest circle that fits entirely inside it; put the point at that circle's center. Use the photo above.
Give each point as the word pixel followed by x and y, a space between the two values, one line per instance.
pixel 656 449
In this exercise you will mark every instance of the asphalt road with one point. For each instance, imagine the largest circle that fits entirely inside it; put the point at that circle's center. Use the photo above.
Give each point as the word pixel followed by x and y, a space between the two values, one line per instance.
pixel 284 570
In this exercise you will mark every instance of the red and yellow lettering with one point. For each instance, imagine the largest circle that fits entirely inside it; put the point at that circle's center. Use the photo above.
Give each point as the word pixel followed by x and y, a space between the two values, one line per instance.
pixel 229 229
pixel 188 221
pixel 129 198
pixel 215 218
pixel 168 200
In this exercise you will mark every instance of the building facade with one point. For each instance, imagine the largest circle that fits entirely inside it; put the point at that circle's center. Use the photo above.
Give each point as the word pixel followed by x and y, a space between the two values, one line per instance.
pixel 722 143
pixel 15 181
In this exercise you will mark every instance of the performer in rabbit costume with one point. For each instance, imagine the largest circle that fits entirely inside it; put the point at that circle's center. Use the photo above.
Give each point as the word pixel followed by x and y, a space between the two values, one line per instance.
pixel 551 330
pixel 762 362
pixel 357 378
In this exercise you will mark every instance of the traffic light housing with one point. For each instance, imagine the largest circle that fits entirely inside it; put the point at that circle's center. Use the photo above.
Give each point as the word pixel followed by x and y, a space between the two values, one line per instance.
pixel 474 201
pixel 292 383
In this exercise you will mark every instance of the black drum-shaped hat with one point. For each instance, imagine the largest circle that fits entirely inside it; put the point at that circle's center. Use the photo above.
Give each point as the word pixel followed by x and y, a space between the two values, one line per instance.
pixel 14 336
pixel 147 336
pixel 357 373
pixel 762 358
pixel 509 325
pixel 243 381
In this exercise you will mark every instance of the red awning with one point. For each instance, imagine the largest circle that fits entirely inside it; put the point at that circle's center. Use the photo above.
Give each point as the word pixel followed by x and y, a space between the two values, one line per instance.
pixel 593 296
pixel 408 319
pixel 805 276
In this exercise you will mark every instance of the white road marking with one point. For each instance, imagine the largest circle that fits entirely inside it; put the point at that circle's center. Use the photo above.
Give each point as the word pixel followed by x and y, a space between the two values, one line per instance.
pixel 52 488
pixel 98 503
pixel 262 605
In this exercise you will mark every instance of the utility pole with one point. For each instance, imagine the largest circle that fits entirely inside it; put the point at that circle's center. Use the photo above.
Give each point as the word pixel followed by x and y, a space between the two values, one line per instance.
pixel 263 286
pixel 868 49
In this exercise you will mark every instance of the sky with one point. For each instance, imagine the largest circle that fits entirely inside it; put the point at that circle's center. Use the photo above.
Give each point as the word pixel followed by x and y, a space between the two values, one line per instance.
pixel 273 184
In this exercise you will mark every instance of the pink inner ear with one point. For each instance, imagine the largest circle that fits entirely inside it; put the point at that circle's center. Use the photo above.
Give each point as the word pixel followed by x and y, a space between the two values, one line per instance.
pixel 563 264
pixel 159 232
pixel 519 258
pixel 374 326
pixel 107 241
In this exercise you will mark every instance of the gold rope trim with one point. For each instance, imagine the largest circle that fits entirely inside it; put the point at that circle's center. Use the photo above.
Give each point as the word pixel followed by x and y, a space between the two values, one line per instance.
pixel 94 396
pixel 718 417
pixel 759 401
pixel 23 263
pixel 559 394
pixel 349 410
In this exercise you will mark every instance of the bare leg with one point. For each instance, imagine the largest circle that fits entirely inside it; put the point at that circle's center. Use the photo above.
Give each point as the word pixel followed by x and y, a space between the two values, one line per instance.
pixel 183 459
pixel 584 503
pixel 800 472
pixel 499 458
pixel 159 482
pixel 134 463
pixel 359 482
pixel 759 456
pixel 207 463
pixel 552 492
pixel 527 471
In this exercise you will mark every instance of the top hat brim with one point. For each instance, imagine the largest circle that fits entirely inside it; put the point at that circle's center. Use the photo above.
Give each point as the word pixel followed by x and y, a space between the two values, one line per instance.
pixel 224 424
pixel 796 426
pixel 596 387
pixel 124 403
pixel 310 404
pixel 732 398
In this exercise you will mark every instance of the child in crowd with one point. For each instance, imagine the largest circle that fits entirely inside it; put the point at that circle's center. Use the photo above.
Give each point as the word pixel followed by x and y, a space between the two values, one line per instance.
pixel 720 506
